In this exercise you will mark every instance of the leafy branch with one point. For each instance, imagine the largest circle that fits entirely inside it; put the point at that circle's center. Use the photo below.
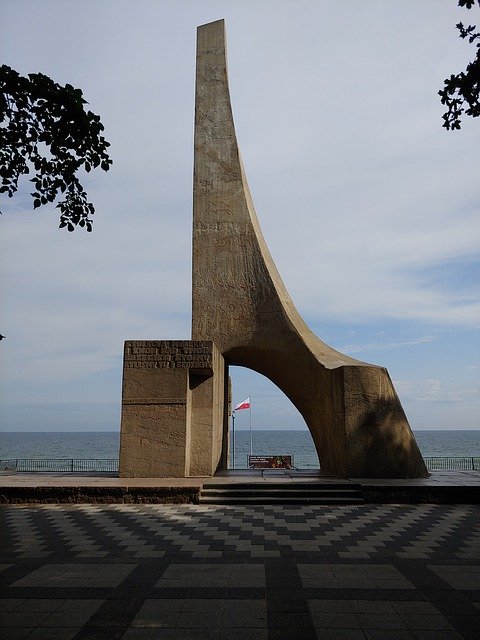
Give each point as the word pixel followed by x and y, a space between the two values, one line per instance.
pixel 460 93
pixel 44 127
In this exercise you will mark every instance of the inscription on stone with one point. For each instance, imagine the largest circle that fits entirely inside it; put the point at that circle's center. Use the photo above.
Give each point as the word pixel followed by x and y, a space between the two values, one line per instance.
pixel 168 354
pixel 155 401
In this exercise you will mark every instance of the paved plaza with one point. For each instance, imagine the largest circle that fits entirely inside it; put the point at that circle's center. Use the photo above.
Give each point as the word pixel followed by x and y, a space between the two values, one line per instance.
pixel 144 572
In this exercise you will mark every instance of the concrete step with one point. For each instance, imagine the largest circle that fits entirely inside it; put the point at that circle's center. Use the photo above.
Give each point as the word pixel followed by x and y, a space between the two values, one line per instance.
pixel 280 493
pixel 300 499
pixel 297 486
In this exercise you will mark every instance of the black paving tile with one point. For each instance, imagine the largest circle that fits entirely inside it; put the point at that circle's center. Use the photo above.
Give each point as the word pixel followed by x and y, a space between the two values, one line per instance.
pixel 219 593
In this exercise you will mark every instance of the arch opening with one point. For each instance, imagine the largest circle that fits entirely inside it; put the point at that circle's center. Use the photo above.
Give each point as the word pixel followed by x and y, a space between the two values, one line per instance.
pixel 271 426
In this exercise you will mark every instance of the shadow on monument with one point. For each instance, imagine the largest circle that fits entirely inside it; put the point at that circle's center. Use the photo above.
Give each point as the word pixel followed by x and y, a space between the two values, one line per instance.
pixel 380 440
pixel 373 446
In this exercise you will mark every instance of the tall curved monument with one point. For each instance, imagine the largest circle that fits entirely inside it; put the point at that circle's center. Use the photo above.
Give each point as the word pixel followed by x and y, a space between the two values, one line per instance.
pixel 175 417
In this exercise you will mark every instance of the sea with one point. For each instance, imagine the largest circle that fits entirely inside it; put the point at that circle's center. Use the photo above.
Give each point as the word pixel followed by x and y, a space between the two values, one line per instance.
pixel 102 445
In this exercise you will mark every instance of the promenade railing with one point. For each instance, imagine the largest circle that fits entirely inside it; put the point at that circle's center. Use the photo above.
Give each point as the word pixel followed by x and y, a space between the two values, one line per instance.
pixel 60 464
pixel 110 465
pixel 467 463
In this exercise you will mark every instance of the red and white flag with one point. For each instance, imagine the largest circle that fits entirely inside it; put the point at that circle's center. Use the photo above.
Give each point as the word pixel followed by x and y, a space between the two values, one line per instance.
pixel 243 405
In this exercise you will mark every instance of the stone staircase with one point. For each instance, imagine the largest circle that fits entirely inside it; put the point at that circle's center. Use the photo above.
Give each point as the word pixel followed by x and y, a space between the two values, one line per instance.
pixel 281 493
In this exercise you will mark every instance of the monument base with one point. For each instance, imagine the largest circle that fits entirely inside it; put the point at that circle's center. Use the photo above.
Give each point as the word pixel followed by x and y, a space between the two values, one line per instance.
pixel 174 419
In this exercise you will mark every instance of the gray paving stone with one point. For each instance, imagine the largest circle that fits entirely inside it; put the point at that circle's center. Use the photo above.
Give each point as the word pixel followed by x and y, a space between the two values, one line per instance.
pixel 427 621
pixel 193 581
pixel 438 635
pixel 340 634
pixel 245 613
pixel 64 633
pixel 455 568
pixel 18 633
pixel 329 606
pixel 381 621
pixel 40 605
pixel 247 581
pixel 69 618
pixel 393 634
pixel 22 619
pixel 88 605
pixel 460 577
pixel 9 604
pixel 311 571
pixel 243 633
pixel 326 620
pixel 215 607
pixel 76 575
pixel 146 633
pixel 157 618
pixel 414 607
pixel 198 619
pixel 185 634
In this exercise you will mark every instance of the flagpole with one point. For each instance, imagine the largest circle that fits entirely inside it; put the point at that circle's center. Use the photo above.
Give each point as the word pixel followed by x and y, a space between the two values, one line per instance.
pixel 251 438
pixel 243 405
pixel 233 433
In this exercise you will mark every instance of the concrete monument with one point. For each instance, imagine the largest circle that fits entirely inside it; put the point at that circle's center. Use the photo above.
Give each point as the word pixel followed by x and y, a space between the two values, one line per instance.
pixel 174 419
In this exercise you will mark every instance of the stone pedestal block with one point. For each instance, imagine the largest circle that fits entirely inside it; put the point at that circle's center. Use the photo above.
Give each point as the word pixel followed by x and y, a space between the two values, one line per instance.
pixel 173 422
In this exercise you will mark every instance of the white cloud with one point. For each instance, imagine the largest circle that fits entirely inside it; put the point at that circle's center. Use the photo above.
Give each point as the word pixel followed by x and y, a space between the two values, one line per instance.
pixel 433 390
pixel 387 345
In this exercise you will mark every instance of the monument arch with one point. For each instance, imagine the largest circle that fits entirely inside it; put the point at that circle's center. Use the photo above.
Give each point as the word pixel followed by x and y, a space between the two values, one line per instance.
pixel 350 407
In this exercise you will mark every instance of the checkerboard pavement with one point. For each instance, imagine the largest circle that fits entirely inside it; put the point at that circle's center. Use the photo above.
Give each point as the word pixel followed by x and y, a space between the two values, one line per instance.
pixel 195 572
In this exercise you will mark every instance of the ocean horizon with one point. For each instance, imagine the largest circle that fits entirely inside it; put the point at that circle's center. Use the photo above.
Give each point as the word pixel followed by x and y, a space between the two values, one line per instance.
pixel 298 443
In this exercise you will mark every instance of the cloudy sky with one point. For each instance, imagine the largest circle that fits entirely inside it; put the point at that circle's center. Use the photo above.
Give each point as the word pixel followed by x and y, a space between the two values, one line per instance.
pixel 369 207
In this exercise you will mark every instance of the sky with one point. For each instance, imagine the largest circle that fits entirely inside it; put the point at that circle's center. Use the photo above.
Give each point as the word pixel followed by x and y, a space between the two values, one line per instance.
pixel 369 207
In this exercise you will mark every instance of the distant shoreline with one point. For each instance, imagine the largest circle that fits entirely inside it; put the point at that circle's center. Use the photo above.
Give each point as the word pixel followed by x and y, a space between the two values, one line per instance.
pixel 236 430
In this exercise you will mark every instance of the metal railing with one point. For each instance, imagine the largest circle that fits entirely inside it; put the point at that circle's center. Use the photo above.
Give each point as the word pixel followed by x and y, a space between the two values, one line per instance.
pixel 72 465
pixel 60 464
pixel 467 463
